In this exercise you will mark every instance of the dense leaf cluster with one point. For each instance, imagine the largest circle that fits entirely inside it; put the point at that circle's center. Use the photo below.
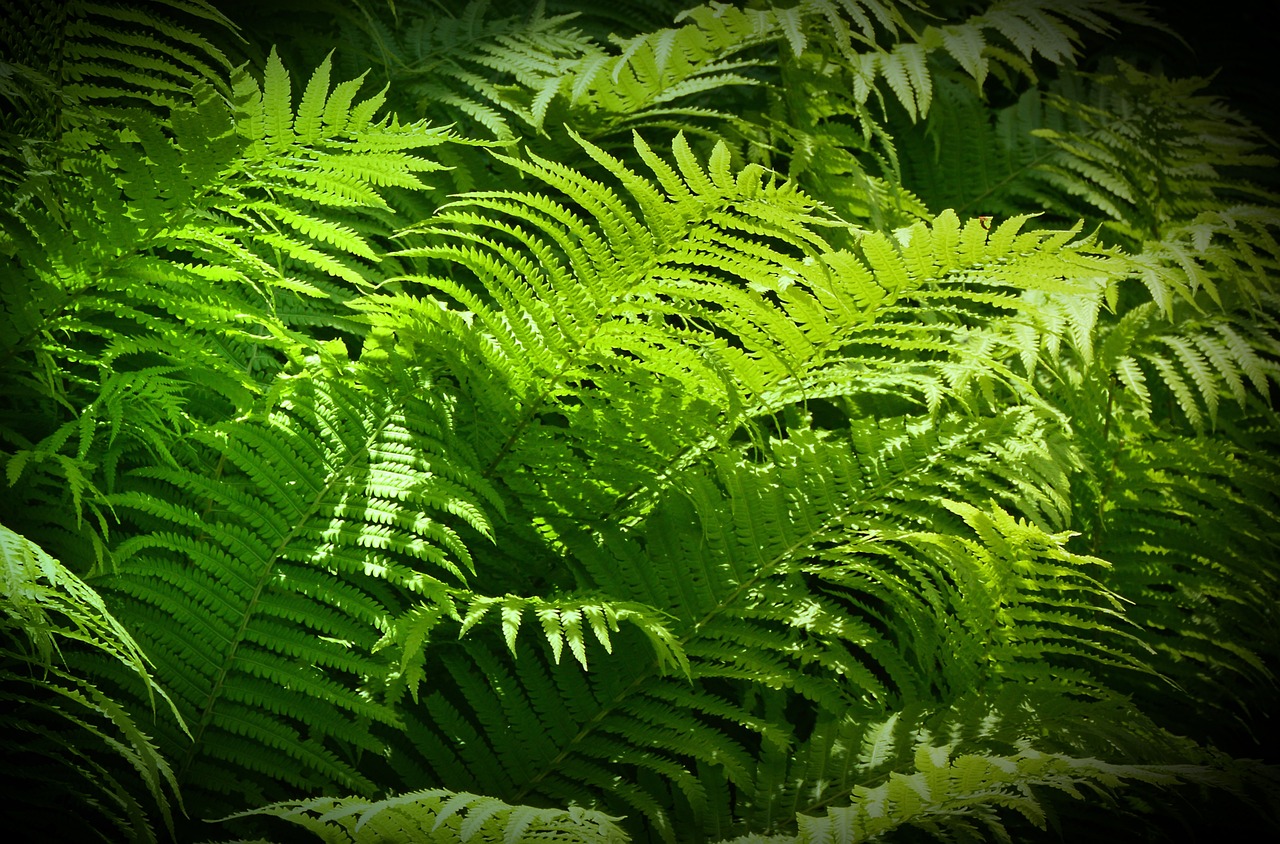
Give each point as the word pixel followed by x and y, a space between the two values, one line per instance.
pixel 759 422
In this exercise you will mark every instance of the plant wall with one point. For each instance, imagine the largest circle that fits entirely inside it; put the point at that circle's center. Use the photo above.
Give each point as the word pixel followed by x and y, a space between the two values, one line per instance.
pixel 835 420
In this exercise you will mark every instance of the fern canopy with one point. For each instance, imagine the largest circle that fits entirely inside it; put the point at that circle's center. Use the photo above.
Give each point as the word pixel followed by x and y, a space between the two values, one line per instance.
pixel 671 422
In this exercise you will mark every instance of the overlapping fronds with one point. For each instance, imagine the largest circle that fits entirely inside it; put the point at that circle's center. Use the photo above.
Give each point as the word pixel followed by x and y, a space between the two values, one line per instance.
pixel 260 588
pixel 1161 165
pixel 1190 525
pixel 77 761
pixel 499 72
pixel 213 235
pixel 138 54
pixel 676 291
pixel 771 437
pixel 549 303
pixel 973 797
pixel 812 560
pixel 1151 152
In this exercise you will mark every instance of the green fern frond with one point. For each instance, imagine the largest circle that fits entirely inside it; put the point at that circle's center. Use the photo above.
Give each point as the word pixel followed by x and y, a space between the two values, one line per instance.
pixel 960 797
pixel 688 295
pixel 568 298
pixel 244 222
pixel 500 72
pixel 1132 160
pixel 1009 35
pixel 332 154
pixel 839 604
pixel 147 55
pixel 65 723
pixel 565 622
pixel 272 574
pixel 442 816
pixel 1216 620
pixel 1197 364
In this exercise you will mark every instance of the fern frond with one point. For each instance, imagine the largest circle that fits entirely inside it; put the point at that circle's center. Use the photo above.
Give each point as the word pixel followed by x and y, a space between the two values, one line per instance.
pixel 1124 165
pixel 1189 524
pixel 810 562
pixel 202 215
pixel 962 795
pixel 442 816
pixel 689 298
pixel 565 621
pixel 260 588
pixel 114 53
pixel 65 723
pixel 501 72
pixel 1197 363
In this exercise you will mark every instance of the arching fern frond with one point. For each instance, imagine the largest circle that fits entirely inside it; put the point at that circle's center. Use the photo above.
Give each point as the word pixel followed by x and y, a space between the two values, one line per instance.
pixel 1220 260
pixel 960 797
pixel 144 55
pixel 547 300
pixel 442 816
pixel 1194 366
pixel 260 588
pixel 565 620
pixel 812 560
pixel 713 297
pixel 194 271
pixel 1007 36
pixel 73 739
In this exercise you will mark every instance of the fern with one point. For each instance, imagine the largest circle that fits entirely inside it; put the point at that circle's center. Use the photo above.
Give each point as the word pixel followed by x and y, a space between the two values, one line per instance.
pixel 146 56
pixel 328 494
pixel 956 798
pixel 827 641
pixel 223 240
pixel 443 816
pixel 65 724
pixel 798 421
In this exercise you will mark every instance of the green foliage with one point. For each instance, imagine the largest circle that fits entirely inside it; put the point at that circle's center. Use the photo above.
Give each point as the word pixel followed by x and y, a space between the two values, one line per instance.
pixel 959 797
pixel 278 571
pixel 668 423
pixel 443 816
pixel 68 744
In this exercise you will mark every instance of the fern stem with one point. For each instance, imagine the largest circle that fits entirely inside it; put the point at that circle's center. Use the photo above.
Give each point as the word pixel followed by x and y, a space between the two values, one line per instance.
pixel 1096 539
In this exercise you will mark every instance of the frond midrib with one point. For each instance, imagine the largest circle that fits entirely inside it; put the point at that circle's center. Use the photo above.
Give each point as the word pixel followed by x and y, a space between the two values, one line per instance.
pixel 336 478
